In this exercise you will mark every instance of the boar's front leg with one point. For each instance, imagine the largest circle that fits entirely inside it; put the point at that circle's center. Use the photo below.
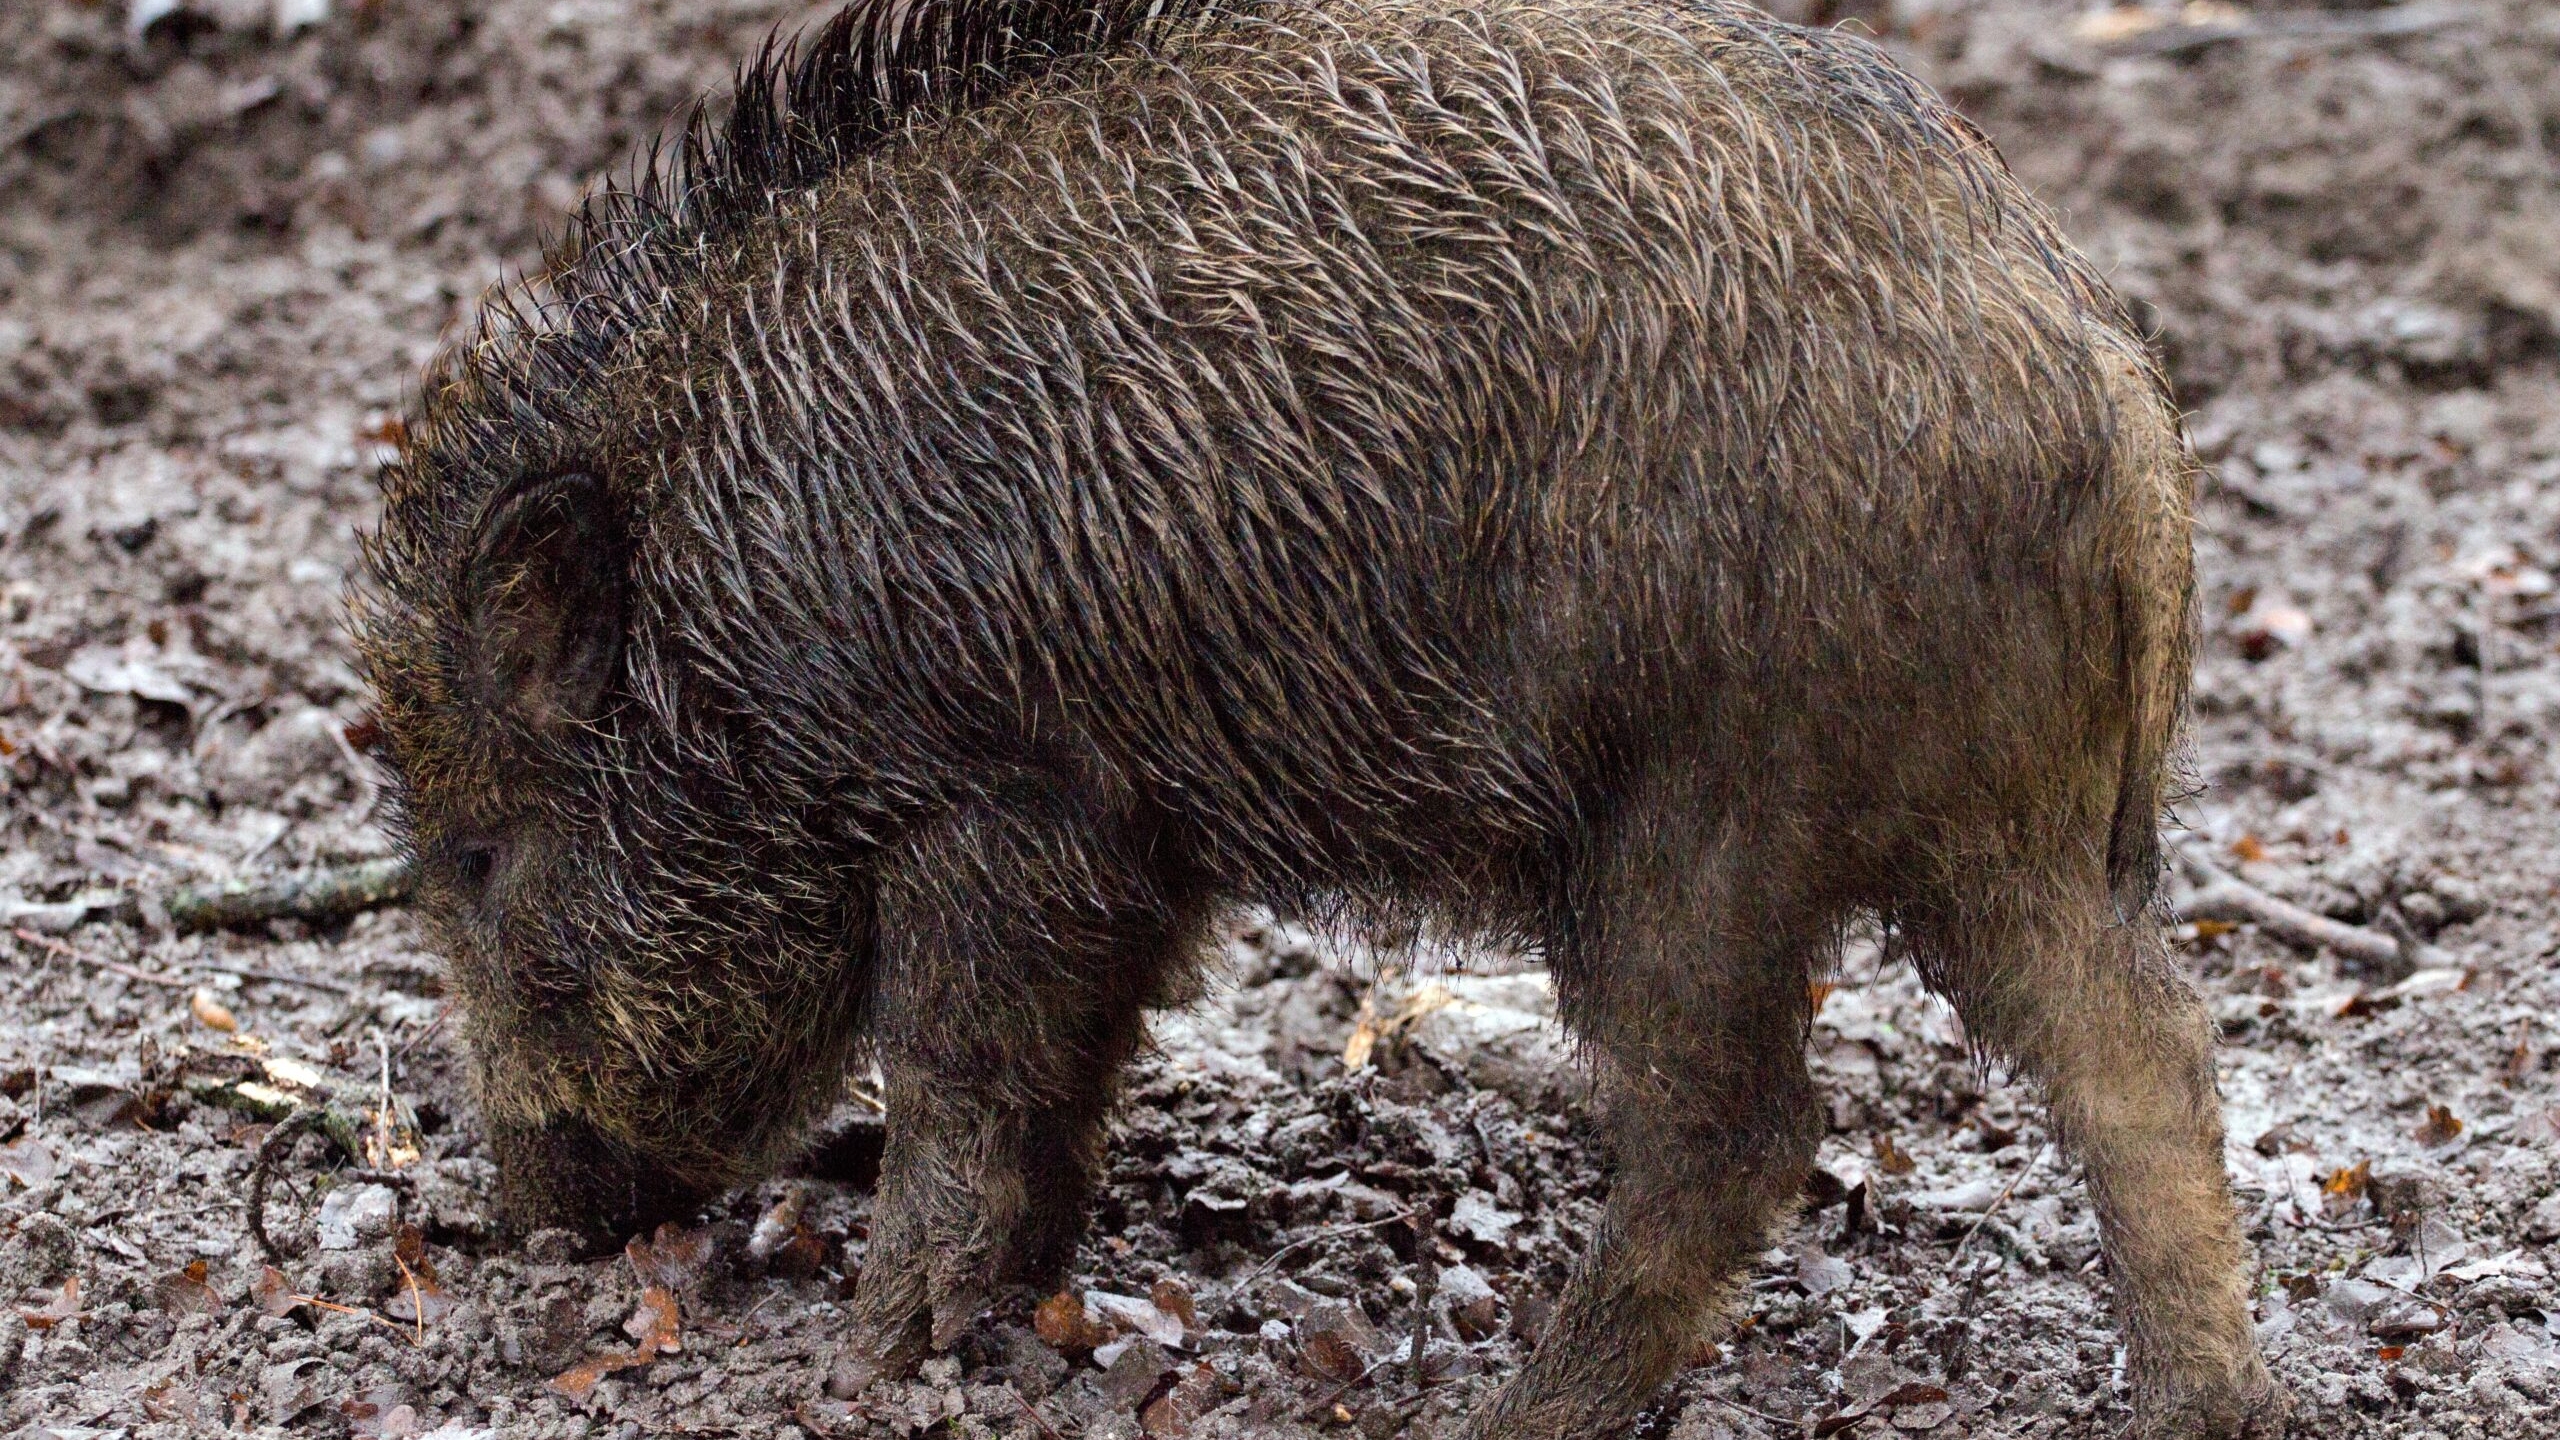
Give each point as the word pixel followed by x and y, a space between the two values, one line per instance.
pixel 1017 953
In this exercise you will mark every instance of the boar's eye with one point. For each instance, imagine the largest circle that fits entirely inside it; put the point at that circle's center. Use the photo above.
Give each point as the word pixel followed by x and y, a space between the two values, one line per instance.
pixel 474 863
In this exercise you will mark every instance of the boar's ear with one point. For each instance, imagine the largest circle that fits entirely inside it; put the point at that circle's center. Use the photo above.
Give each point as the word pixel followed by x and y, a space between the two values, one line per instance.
pixel 545 601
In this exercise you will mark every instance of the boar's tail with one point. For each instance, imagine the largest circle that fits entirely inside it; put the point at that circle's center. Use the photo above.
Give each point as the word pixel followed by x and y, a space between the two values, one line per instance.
pixel 2154 583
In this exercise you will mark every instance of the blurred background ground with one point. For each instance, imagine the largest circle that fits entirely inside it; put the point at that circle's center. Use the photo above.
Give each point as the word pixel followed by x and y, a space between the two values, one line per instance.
pixel 232 230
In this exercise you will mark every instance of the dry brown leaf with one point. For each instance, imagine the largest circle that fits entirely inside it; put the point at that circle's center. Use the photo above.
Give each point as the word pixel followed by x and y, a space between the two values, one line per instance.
pixel 2124 22
pixel 419 1301
pixel 1328 1355
pixel 273 1292
pixel 30 1161
pixel 1169 1296
pixel 2441 1127
pixel 2249 848
pixel 211 1012
pixel 380 1414
pixel 653 1324
pixel 409 1247
pixel 1892 1158
pixel 2349 1184
pixel 778 1226
pixel 674 1257
pixel 185 1292
pixel 1062 1322
pixel 64 1305
pixel 171 1403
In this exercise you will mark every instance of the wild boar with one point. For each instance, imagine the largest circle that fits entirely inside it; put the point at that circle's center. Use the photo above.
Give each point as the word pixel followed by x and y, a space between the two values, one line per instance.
pixel 1626 477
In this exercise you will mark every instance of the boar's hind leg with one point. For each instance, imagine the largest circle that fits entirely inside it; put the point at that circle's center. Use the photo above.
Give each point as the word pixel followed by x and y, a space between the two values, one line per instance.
pixel 1016 956
pixel 1688 978
pixel 2095 1008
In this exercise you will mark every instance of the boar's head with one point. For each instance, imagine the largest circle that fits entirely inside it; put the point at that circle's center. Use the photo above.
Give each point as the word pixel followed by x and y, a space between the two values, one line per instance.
pixel 658 979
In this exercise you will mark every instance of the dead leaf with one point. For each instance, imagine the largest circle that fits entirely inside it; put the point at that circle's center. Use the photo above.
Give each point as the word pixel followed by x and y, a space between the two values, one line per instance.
pixel 185 1292
pixel 580 1379
pixel 380 1414
pixel 211 1012
pixel 1330 1355
pixel 1914 1393
pixel 1195 1393
pixel 674 1257
pixel 2389 1353
pixel 2347 1186
pixel 65 1305
pixel 779 1225
pixel 1061 1321
pixel 409 1247
pixel 273 1292
pixel 2441 1127
pixel 2271 623
pixel 653 1324
pixel 30 1162
pixel 171 1403
pixel 1892 1158
pixel 419 1301
pixel 1128 1315
pixel 1370 1028
pixel 1170 1297
pixel 2249 849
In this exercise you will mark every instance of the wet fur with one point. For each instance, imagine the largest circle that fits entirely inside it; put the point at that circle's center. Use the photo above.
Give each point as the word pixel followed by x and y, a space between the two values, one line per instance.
pixel 1634 479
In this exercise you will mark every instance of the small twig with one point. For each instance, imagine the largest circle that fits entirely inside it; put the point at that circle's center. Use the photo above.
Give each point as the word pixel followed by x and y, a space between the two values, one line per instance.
pixel 1036 1417
pixel 1317 1410
pixel 2221 895
pixel 376 1316
pixel 271 1152
pixel 275 977
pixel 113 967
pixel 2003 1199
pixel 1780 1421
pixel 318 895
pixel 2173 38
pixel 423 1036
pixel 1426 1280
pixel 1301 1243
pixel 417 1302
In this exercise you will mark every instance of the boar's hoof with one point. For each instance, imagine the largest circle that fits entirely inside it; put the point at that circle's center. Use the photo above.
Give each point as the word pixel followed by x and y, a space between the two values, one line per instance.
pixel 876 1353
pixel 853 1373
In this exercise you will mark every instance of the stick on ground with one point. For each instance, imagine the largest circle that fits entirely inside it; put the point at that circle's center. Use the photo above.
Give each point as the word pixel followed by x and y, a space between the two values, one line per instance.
pixel 2221 895
pixel 317 895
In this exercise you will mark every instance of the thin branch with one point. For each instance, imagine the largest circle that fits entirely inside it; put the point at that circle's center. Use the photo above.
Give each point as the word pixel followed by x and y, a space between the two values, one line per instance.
pixel 52 946
pixel 2174 37
pixel 2221 895
pixel 317 895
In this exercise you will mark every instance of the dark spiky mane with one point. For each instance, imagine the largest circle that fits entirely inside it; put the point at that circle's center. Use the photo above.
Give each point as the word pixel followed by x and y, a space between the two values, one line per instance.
pixel 803 108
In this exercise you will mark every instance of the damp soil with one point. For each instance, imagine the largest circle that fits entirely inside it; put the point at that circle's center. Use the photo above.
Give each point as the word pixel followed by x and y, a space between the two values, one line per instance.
pixel 230 237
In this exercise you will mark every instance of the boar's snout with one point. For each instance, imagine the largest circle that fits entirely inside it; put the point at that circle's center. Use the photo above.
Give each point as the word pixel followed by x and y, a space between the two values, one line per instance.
pixel 564 1174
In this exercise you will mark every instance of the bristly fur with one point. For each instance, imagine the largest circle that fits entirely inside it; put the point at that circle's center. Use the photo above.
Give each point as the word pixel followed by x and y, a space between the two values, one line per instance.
pixel 1623 476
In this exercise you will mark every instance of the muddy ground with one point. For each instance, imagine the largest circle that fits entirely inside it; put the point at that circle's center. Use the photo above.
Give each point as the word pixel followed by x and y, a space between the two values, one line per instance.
pixel 231 231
